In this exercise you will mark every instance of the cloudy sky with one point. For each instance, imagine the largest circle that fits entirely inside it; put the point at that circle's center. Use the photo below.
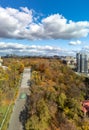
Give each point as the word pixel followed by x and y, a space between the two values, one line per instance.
pixel 42 27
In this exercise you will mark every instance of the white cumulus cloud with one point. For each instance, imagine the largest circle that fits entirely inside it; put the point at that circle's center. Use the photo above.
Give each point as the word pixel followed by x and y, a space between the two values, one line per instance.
pixel 21 24
pixel 78 42
pixel 32 50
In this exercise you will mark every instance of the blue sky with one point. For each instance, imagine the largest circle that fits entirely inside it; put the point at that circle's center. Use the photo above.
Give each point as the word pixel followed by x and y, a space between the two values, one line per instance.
pixel 44 27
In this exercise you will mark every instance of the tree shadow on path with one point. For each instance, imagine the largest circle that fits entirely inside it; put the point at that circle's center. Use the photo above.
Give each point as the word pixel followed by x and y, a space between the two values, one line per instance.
pixel 24 115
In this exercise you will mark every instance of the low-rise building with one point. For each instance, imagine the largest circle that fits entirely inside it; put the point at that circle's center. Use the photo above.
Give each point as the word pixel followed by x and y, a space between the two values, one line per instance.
pixel 1 60
pixel 69 60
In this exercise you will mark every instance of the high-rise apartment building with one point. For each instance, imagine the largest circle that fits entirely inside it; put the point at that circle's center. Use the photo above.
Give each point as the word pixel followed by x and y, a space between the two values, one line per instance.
pixel 82 62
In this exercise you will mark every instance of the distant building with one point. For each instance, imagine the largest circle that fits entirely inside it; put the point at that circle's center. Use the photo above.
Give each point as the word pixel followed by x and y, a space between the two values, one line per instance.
pixel 82 63
pixel 1 61
pixel 69 60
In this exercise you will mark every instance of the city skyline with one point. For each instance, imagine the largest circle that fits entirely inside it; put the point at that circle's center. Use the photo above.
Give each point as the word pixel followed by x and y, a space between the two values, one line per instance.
pixel 44 27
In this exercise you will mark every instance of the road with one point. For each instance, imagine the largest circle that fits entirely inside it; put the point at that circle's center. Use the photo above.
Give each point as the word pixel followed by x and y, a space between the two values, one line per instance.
pixel 16 121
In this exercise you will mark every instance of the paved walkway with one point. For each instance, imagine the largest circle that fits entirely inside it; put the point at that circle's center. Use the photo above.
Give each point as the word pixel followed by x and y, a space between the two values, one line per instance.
pixel 26 78
pixel 16 119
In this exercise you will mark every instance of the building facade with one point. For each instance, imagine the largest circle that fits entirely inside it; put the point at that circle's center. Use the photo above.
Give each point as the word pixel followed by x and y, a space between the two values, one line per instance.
pixel 82 63
pixel 1 61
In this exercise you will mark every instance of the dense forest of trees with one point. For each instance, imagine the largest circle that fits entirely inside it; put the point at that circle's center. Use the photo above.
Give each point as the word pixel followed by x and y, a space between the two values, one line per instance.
pixel 56 93
pixel 56 96
pixel 9 81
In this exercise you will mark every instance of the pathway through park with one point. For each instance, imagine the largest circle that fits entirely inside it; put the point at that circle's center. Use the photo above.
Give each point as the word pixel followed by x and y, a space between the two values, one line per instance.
pixel 16 121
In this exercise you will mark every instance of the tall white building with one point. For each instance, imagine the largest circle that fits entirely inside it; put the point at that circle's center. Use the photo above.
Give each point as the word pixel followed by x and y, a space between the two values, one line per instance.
pixel 82 62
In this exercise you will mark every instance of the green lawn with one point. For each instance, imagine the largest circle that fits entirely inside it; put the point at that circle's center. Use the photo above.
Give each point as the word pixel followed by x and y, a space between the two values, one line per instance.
pixel 6 123
pixel 3 110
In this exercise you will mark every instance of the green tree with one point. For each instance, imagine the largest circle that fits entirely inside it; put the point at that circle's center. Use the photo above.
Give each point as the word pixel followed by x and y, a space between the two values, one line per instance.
pixel 33 123
pixel 61 100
